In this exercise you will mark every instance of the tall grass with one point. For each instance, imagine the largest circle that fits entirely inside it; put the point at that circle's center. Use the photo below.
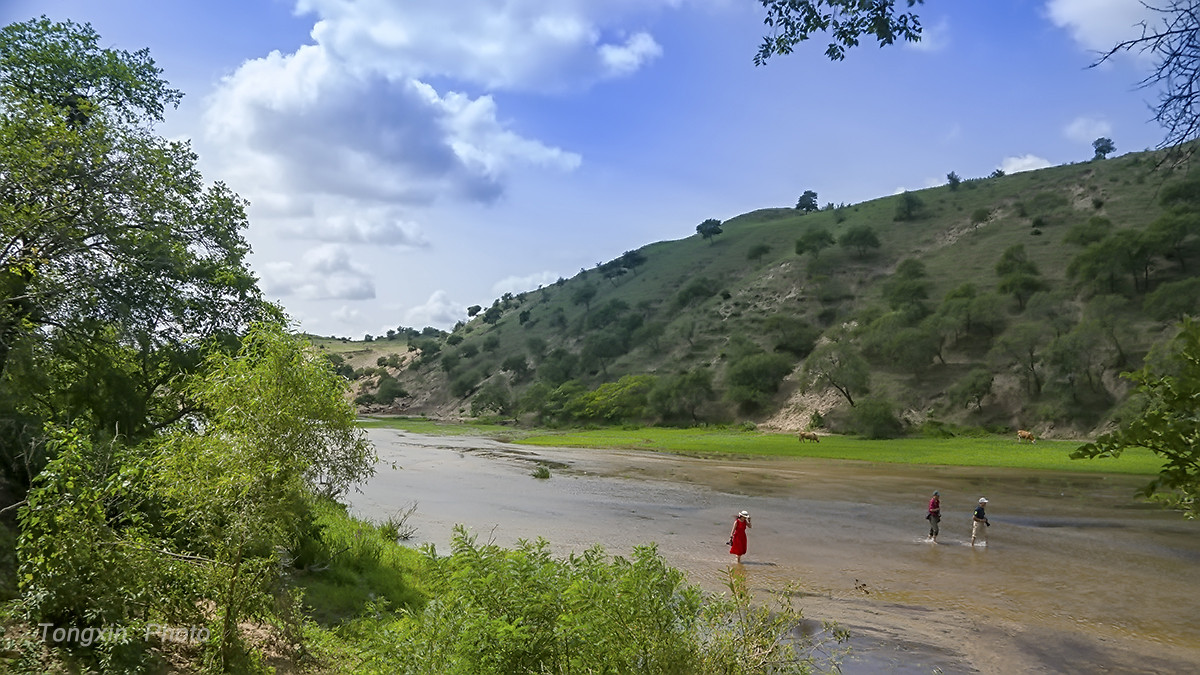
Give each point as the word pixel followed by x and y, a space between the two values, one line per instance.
pixel 358 563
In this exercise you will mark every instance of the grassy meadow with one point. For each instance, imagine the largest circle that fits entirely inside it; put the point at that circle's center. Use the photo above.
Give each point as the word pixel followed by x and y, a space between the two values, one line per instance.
pixel 997 451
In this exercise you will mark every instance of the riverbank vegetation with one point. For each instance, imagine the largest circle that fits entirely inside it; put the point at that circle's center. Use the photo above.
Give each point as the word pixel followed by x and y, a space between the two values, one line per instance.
pixel 982 450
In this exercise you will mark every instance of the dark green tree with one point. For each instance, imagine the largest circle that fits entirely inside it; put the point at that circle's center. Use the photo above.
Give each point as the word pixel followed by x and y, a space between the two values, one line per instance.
pixel 116 253
pixel 860 238
pixel 1019 276
pixel 909 207
pixel 813 241
pixel 953 181
pixel 1103 147
pixel 839 365
pixel 1092 230
pixel 753 379
pixel 1020 348
pixel 680 397
pixel 709 229
pixel 584 296
pixel 807 202
pixel 972 388
pixel 1174 300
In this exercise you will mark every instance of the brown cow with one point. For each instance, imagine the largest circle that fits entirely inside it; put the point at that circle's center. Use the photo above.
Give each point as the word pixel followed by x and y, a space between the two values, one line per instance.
pixel 1023 435
pixel 809 436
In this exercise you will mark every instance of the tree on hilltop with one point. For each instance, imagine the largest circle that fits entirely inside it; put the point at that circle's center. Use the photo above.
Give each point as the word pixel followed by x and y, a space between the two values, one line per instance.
pixel 807 202
pixel 709 229
pixel 1103 147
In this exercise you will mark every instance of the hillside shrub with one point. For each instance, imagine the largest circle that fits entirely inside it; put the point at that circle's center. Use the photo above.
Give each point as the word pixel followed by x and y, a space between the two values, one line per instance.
pixel 463 384
pixel 389 390
pixel 875 418
pixel 701 288
pixel 753 380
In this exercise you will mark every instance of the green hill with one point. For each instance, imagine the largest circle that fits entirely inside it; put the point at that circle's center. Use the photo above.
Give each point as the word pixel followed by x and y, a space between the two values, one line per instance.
pixel 1001 302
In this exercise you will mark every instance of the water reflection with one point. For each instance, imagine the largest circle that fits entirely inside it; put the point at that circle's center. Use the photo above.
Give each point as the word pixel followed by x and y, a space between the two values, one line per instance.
pixel 1072 560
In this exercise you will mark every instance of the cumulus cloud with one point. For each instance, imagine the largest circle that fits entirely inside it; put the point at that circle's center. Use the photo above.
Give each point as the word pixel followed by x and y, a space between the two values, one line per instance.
pixel 498 44
pixel 324 273
pixel 439 311
pixel 1023 163
pixel 529 282
pixel 1087 129
pixel 629 57
pixel 1098 25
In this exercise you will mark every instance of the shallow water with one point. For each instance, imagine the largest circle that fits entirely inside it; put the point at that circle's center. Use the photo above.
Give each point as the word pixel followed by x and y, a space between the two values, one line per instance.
pixel 1077 576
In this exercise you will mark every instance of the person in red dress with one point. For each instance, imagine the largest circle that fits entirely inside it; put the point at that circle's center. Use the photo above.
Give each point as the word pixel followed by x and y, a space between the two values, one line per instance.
pixel 737 538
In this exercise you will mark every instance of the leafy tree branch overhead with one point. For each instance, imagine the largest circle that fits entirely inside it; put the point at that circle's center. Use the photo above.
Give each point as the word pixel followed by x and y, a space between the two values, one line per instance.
pixel 846 21
pixel 1173 43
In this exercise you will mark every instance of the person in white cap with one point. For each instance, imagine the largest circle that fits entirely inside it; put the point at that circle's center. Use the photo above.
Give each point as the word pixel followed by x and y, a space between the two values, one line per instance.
pixel 737 538
pixel 979 522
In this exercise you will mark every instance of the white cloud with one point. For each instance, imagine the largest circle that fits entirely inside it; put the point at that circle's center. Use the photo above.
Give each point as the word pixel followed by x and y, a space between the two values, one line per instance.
pixel 323 273
pixel 934 38
pixel 628 58
pixel 1098 25
pixel 1087 129
pixel 366 225
pixel 1023 163
pixel 529 282
pixel 509 44
pixel 439 310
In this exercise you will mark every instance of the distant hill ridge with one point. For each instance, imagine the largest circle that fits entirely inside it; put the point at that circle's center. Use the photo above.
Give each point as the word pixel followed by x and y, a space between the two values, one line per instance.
pixel 1001 302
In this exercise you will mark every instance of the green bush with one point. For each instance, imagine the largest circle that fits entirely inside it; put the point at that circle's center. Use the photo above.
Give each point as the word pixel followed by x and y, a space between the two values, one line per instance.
pixel 500 611
pixel 754 379
pixel 875 418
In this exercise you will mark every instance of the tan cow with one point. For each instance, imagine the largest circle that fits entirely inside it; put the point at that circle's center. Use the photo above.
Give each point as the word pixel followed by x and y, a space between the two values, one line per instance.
pixel 1023 435
pixel 809 436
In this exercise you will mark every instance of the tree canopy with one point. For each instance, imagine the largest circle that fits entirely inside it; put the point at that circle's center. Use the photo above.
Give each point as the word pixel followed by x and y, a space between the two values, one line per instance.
pixel 119 265
pixel 1167 423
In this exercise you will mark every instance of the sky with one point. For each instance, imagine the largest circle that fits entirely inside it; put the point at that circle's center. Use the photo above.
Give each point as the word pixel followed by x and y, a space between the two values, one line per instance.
pixel 404 160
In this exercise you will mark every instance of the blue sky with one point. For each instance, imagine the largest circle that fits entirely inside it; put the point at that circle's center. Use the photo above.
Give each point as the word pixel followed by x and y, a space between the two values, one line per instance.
pixel 404 160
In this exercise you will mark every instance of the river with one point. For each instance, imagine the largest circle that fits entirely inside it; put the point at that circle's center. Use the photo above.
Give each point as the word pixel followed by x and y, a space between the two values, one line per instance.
pixel 1077 575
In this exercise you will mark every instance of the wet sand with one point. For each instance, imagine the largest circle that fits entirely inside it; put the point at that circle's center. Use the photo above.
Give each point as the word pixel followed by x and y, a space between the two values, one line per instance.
pixel 1077 576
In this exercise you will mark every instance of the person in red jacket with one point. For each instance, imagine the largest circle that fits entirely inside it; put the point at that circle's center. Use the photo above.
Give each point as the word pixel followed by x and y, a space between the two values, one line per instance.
pixel 737 538
pixel 934 516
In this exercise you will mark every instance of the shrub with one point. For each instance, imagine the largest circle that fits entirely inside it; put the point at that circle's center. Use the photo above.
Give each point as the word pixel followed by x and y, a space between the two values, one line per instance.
pixel 504 611
pixel 875 418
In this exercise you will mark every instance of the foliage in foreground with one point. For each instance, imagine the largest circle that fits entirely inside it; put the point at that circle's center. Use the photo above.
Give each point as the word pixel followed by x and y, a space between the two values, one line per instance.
pixel 196 526
pixel 503 611
pixel 1168 423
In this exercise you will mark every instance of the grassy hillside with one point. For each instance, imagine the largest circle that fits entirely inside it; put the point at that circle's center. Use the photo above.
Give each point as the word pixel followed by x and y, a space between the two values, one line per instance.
pixel 923 329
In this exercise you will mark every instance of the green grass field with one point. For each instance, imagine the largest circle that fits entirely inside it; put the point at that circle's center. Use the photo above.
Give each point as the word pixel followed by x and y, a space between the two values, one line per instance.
pixel 987 451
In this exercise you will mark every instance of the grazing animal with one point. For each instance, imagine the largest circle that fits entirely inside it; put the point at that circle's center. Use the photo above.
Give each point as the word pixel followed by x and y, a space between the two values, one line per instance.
pixel 809 436
pixel 1023 435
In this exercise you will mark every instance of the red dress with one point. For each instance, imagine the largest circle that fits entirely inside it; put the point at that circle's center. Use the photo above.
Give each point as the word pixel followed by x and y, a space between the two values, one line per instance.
pixel 739 537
